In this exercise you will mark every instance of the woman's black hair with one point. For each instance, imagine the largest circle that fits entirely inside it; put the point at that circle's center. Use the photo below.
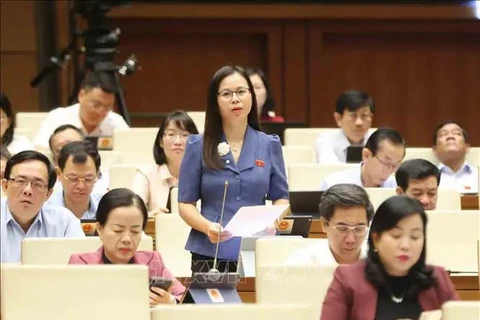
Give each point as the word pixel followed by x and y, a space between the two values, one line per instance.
pixel 213 120
pixel 387 216
pixel 7 137
pixel 183 121
pixel 117 198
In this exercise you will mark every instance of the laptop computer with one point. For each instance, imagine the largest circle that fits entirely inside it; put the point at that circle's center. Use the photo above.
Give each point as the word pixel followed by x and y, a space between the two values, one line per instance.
pixel 305 203
pixel 354 154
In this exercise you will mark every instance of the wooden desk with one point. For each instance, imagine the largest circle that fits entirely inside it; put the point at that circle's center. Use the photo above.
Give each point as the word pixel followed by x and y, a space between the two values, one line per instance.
pixel 466 286
pixel 470 202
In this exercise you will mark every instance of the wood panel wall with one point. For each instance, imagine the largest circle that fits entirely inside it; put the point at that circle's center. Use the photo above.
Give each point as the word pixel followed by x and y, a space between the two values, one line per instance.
pixel 420 63
pixel 18 54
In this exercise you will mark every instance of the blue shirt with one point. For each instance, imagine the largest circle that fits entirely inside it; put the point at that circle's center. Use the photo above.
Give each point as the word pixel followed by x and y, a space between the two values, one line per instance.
pixel 49 222
pixel 57 200
pixel 258 175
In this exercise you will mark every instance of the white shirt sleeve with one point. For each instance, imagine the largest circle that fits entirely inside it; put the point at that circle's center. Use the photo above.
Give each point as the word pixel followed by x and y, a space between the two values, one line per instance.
pixel 52 121
pixel 324 147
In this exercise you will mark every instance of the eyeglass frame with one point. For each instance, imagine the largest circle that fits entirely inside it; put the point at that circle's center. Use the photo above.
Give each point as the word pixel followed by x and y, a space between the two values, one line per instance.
pixel 76 180
pixel 348 228
pixel 175 135
pixel 232 92
pixel 35 184
pixel 353 116
pixel 389 166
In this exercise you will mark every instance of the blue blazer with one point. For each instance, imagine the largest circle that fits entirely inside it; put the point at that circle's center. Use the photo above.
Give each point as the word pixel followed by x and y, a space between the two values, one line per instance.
pixel 258 175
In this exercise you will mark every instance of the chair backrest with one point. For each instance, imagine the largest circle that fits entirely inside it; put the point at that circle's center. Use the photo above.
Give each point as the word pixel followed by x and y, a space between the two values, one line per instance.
pixel 171 234
pixel 298 154
pixel 420 153
pixel 452 239
pixel 478 256
pixel 44 251
pixel 378 195
pixel 198 118
pixel 26 132
pixel 307 177
pixel 303 136
pixel 136 144
pixel 449 199
pixel 174 201
pixel 75 292
pixel 461 310
pixel 110 158
pixel 473 156
pixel 122 175
pixel 277 250
pixel 30 120
pixel 233 312
pixel 275 284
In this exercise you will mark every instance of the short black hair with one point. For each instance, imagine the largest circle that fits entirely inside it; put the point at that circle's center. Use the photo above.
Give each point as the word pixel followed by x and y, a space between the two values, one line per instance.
pixel 387 216
pixel 382 134
pixel 62 128
pixel 102 80
pixel 7 137
pixel 4 153
pixel 183 121
pixel 120 197
pixel 269 104
pixel 352 100
pixel 417 169
pixel 31 155
pixel 443 124
pixel 80 151
pixel 345 195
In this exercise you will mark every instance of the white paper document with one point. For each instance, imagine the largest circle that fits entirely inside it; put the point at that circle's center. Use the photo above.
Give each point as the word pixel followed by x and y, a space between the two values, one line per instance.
pixel 248 221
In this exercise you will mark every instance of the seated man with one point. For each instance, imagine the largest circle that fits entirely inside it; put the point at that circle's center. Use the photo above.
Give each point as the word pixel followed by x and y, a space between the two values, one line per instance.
pixel 353 115
pixel 67 133
pixel 92 114
pixel 61 136
pixel 451 147
pixel 419 179
pixel 382 155
pixel 28 183
pixel 77 170
pixel 346 212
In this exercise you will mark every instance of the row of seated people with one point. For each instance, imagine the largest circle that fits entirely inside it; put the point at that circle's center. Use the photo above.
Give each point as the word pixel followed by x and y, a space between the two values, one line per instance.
pixel 231 149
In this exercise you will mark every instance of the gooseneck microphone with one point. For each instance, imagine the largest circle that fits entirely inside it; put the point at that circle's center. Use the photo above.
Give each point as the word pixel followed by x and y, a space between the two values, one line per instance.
pixel 214 269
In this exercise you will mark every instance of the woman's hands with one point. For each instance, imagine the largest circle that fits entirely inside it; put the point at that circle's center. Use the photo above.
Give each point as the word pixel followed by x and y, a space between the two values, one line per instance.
pixel 213 232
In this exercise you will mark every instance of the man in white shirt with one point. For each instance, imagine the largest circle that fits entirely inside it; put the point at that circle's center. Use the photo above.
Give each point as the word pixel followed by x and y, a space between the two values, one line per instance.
pixel 28 183
pixel 346 213
pixel 451 147
pixel 382 155
pixel 92 114
pixel 353 115
pixel 419 179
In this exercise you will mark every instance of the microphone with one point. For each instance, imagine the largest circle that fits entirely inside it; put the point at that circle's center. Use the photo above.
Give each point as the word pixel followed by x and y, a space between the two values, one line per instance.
pixel 214 269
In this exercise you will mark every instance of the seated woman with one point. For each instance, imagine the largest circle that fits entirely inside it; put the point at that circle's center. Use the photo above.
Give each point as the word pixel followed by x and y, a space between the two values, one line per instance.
pixel 393 282
pixel 154 185
pixel 264 96
pixel 121 217
pixel 13 142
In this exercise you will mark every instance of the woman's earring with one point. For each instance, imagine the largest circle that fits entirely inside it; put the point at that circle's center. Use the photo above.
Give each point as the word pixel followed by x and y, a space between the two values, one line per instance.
pixel 375 250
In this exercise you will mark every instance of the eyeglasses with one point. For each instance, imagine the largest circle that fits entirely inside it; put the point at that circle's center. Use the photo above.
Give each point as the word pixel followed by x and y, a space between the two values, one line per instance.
pixel 98 106
pixel 358 230
pixel 227 95
pixel 390 166
pixel 23 183
pixel 170 136
pixel 366 117
pixel 87 180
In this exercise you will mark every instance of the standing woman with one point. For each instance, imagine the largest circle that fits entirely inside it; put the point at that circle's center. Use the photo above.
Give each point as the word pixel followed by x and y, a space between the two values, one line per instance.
pixel 154 185
pixel 264 96
pixel 393 282
pixel 231 149
pixel 13 142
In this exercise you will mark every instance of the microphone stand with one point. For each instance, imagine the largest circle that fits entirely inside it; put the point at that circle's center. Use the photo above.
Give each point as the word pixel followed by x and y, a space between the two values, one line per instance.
pixel 214 269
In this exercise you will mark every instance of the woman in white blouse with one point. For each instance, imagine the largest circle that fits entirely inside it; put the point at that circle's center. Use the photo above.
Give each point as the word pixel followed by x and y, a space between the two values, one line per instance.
pixel 153 185
pixel 13 142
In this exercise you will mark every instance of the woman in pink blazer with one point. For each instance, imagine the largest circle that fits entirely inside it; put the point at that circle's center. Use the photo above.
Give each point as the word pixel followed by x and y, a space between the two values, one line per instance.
pixel 393 282
pixel 121 219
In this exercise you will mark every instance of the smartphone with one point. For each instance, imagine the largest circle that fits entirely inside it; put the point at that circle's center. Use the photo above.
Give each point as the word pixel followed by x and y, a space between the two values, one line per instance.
pixel 161 283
